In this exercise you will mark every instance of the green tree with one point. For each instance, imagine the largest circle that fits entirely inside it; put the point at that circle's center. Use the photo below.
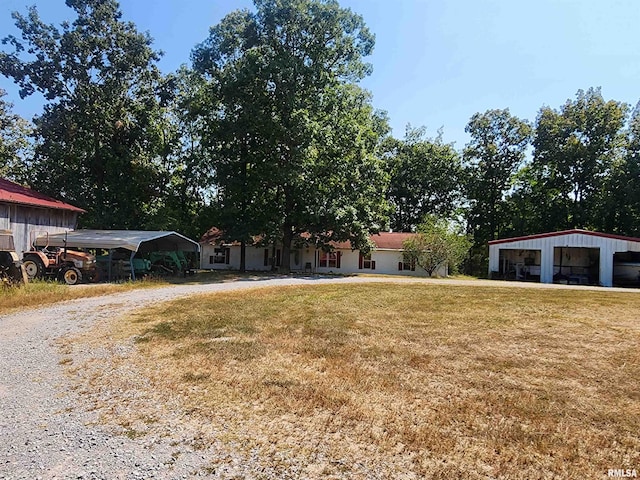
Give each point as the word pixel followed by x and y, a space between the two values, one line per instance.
pixel 425 178
pixel 574 151
pixel 492 158
pixel 99 137
pixel 14 142
pixel 436 244
pixel 619 210
pixel 298 137
pixel 186 202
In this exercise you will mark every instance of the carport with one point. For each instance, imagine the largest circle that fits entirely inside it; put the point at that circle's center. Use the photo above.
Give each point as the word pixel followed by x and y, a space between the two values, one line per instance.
pixel 569 256
pixel 135 241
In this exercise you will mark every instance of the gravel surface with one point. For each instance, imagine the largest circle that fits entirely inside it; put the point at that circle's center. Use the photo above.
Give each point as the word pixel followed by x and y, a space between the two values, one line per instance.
pixel 47 429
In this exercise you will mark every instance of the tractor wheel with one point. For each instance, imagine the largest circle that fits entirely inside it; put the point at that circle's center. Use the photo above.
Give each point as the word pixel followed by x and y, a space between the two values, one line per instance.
pixel 34 267
pixel 93 277
pixel 71 276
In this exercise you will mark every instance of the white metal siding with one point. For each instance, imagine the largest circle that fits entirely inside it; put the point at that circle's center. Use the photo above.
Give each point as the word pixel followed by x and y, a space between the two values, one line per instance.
pixel 607 246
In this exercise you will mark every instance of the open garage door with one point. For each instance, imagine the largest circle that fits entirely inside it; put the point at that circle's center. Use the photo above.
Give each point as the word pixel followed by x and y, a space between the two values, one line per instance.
pixel 576 265
pixel 626 269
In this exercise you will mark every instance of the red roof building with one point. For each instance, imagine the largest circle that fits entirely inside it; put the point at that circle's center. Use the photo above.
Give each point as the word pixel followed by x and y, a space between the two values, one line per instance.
pixel 28 213
pixel 11 192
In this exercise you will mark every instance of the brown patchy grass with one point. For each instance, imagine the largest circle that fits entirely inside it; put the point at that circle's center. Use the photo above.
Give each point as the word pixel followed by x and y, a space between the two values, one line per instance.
pixel 404 381
pixel 40 293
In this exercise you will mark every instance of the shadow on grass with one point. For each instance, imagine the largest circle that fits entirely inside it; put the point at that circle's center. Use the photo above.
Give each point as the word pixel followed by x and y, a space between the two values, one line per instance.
pixel 226 276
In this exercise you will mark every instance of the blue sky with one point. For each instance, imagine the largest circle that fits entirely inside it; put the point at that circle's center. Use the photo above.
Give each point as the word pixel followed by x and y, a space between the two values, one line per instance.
pixel 436 62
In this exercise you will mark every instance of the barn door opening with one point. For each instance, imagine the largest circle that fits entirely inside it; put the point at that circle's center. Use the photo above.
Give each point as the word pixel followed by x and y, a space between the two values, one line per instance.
pixel 519 264
pixel 576 265
pixel 626 269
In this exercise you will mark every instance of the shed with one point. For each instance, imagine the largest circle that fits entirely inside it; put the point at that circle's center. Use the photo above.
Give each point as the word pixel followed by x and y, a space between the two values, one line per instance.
pixel 568 256
pixel 132 240
pixel 27 213
pixel 135 241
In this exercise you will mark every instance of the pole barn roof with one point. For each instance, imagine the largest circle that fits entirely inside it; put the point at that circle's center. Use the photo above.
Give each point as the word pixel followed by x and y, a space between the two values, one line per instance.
pixel 11 192
pixel 112 239
pixel 564 232
pixel 606 244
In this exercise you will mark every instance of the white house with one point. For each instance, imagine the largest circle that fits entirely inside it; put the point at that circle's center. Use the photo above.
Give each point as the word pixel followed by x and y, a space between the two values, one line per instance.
pixel 570 256
pixel 386 258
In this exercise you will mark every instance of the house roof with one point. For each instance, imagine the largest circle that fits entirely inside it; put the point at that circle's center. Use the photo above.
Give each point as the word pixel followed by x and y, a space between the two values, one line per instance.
pixel 11 192
pixel 382 240
pixel 215 236
pixel 391 240
pixel 564 232
pixel 111 239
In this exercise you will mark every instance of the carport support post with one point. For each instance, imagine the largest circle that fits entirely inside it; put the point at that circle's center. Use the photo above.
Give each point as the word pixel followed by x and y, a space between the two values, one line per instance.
pixel 133 270
pixel 606 268
pixel 546 264
pixel 109 264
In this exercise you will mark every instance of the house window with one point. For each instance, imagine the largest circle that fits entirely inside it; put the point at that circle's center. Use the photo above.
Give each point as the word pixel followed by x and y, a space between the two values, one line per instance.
pixel 329 259
pixel 366 263
pixel 220 256
pixel 407 266
pixel 271 261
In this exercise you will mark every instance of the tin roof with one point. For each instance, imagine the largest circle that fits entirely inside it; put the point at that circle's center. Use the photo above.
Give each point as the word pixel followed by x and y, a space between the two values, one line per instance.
pixel 11 192
pixel 112 239
pixel 564 232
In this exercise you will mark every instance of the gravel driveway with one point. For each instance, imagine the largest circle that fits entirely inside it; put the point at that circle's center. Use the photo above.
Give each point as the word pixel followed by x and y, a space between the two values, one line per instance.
pixel 46 429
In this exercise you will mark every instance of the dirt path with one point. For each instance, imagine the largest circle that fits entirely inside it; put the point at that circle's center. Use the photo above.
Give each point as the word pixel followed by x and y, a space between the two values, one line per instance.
pixel 45 431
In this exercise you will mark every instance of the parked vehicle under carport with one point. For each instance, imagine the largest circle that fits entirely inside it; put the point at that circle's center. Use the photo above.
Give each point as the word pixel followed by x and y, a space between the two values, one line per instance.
pixel 60 263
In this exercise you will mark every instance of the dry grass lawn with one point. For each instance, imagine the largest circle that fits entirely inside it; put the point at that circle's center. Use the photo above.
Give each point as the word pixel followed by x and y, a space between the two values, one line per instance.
pixel 39 293
pixel 404 381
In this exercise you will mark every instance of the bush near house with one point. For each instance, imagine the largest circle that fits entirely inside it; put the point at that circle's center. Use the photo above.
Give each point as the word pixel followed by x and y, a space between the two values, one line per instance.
pixel 436 244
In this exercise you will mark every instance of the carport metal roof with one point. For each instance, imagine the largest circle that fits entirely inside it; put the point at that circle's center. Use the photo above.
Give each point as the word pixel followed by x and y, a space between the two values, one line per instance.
pixel 112 239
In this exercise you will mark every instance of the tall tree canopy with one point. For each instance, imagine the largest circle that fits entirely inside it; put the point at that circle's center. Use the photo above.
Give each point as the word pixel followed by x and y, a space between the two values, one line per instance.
pixel 426 178
pixel 14 144
pixel 492 157
pixel 98 138
pixel 186 200
pixel 299 137
pixel 575 148
pixel 618 210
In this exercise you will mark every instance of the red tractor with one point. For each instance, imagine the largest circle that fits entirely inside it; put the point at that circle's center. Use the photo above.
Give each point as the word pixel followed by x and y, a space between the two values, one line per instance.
pixel 70 266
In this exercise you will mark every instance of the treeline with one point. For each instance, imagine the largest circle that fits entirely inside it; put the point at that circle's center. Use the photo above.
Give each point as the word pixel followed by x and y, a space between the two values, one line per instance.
pixel 267 132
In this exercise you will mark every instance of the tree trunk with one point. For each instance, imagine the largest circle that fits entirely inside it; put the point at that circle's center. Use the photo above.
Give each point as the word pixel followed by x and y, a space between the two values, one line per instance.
pixel 287 239
pixel 287 232
pixel 243 256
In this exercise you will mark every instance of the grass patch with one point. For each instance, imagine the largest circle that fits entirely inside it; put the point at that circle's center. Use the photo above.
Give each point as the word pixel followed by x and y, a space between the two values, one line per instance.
pixel 39 293
pixel 424 380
